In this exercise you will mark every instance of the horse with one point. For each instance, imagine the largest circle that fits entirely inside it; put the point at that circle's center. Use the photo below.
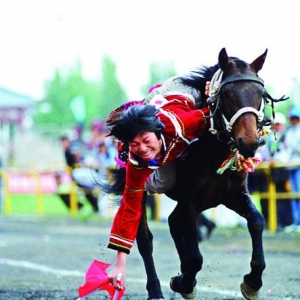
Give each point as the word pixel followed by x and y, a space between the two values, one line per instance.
pixel 237 98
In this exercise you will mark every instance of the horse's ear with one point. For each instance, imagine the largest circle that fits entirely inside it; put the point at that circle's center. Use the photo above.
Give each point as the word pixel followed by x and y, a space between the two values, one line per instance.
pixel 223 60
pixel 258 63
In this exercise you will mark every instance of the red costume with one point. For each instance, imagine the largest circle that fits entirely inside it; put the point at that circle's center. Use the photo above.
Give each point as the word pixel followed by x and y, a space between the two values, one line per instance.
pixel 183 125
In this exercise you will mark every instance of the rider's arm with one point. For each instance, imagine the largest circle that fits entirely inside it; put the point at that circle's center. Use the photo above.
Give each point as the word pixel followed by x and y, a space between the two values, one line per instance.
pixel 126 221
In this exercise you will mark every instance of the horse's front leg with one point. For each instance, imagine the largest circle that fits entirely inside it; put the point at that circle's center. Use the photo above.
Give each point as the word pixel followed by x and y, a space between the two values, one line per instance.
pixel 255 221
pixel 183 228
pixel 145 246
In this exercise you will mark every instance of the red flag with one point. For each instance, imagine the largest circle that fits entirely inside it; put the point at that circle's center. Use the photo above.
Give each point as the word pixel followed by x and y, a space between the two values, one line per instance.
pixel 96 279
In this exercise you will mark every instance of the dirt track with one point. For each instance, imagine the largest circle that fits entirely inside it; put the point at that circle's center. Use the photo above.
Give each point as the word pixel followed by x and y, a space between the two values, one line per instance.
pixel 47 259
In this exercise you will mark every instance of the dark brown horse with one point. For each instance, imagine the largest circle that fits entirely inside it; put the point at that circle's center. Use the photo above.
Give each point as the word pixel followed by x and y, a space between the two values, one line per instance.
pixel 237 99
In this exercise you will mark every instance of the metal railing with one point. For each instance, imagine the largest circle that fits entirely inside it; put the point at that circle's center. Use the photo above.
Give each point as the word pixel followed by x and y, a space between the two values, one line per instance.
pixel 38 193
pixel 271 194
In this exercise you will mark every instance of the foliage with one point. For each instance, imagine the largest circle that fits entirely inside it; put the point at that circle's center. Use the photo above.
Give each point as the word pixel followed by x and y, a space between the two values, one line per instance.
pixel 295 92
pixel 112 94
pixel 99 97
pixel 283 106
pixel 159 72
pixel 55 108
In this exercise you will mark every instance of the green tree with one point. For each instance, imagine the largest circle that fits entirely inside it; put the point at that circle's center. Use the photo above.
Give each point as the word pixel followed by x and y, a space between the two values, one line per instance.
pixel 55 109
pixel 295 92
pixel 112 93
pixel 158 73
pixel 100 97
pixel 282 107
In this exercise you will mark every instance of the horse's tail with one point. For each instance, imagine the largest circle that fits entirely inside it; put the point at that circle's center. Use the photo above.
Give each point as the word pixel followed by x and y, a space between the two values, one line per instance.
pixel 116 184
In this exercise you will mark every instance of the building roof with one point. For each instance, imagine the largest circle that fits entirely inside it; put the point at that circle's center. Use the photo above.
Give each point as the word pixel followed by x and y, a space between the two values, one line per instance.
pixel 13 100
pixel 13 106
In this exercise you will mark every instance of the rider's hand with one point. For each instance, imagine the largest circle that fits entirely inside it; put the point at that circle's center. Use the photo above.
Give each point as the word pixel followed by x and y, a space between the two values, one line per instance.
pixel 118 273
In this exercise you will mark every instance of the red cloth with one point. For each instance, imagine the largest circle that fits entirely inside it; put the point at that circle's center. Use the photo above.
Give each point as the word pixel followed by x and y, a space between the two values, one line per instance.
pixel 96 279
pixel 190 123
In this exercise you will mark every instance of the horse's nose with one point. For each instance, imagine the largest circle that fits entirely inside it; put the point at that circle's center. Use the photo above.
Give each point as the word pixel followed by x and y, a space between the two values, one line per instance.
pixel 247 149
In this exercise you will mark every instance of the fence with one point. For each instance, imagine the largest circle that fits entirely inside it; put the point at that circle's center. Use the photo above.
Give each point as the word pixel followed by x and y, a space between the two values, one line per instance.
pixel 271 194
pixel 37 184
pixel 40 184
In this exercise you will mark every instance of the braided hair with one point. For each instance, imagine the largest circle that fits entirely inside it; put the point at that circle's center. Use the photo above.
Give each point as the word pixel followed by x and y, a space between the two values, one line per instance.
pixel 137 119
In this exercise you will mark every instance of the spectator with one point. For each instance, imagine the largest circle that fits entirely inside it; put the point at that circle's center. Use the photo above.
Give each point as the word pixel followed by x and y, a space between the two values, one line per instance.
pixel 292 148
pixel 104 161
pixel 106 158
pixel 73 156
pixel 280 176
pixel 72 159
pixel 96 137
pixel 274 152
pixel 63 190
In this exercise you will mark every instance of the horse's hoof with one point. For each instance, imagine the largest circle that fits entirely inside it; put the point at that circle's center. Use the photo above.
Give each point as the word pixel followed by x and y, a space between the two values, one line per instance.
pixel 248 292
pixel 175 286
pixel 191 295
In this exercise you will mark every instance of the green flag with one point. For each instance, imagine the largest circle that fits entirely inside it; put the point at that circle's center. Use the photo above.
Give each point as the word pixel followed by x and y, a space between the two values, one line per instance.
pixel 78 108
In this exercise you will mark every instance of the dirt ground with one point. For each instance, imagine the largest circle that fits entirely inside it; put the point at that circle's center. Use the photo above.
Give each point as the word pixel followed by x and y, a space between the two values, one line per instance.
pixel 43 258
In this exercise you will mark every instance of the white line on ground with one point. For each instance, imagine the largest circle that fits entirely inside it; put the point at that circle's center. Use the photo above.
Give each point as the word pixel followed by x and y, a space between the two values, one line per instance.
pixel 76 273
pixel 38 267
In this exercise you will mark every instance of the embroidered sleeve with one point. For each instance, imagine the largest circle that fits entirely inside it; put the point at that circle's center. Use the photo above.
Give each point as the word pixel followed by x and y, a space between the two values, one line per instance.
pixel 126 221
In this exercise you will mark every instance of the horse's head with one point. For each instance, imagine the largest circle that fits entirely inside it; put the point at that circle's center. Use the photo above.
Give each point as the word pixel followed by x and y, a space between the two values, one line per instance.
pixel 238 95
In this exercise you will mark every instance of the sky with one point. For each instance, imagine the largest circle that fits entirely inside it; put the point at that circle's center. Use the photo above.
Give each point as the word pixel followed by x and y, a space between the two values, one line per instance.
pixel 39 36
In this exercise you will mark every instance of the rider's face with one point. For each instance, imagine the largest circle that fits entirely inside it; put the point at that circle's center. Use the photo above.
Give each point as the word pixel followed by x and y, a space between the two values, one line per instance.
pixel 146 145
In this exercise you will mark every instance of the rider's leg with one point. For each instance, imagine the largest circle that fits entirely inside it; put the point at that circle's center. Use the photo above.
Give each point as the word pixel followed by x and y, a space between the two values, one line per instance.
pixel 162 179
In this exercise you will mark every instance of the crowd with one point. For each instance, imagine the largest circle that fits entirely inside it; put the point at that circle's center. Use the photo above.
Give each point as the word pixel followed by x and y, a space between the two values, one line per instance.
pixel 282 149
pixel 87 160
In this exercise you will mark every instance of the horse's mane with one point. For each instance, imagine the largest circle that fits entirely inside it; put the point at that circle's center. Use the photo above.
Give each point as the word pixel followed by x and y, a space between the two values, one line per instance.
pixel 198 77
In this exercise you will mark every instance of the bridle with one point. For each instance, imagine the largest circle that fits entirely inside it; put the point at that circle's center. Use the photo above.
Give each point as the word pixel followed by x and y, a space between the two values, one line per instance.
pixel 213 101
pixel 235 160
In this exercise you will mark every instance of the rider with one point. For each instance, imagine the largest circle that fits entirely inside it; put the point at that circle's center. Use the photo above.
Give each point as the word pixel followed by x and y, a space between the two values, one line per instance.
pixel 156 136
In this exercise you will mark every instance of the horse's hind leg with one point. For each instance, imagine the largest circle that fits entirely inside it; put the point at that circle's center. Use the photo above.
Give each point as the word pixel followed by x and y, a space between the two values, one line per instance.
pixel 183 228
pixel 145 246
pixel 255 220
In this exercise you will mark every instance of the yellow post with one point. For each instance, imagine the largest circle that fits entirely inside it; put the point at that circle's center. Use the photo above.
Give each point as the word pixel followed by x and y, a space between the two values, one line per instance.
pixel 39 194
pixel 7 201
pixel 214 214
pixel 272 205
pixel 73 199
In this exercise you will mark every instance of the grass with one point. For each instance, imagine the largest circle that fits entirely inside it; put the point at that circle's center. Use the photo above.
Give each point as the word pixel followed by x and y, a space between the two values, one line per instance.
pixel 28 204
pixel 46 205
